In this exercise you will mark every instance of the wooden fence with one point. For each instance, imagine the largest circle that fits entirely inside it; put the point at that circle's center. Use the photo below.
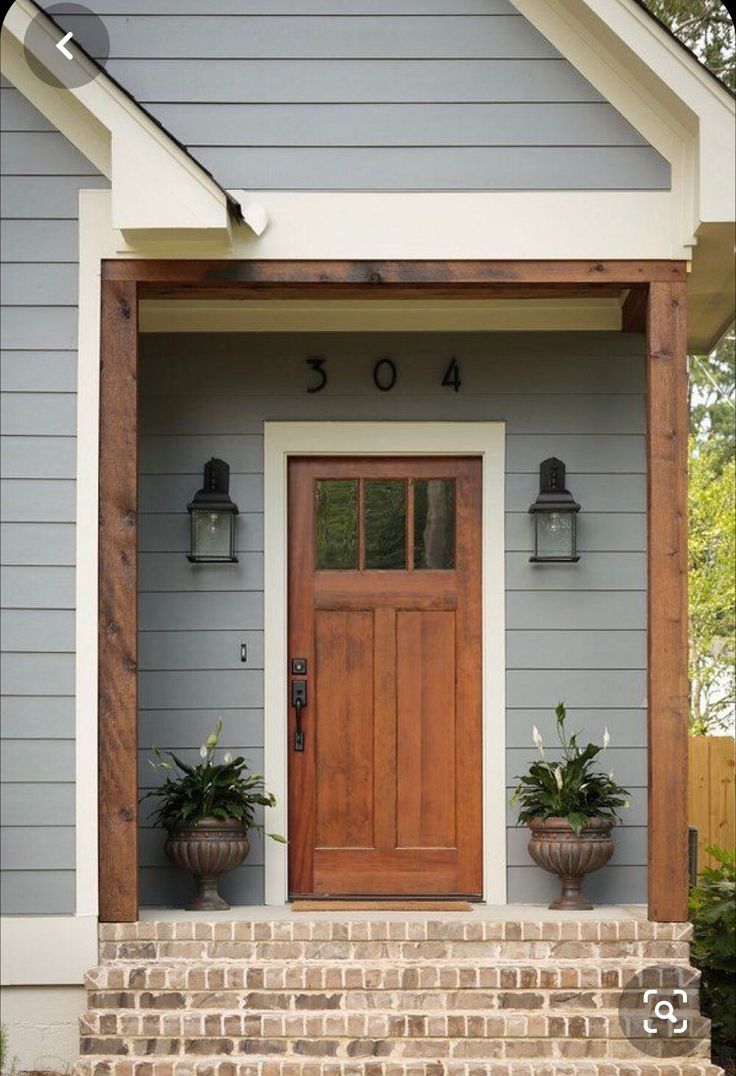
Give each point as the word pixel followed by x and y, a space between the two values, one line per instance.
pixel 712 793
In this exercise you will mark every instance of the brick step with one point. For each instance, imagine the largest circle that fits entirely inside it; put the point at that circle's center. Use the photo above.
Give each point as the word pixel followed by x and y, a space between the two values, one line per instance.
pixel 401 1048
pixel 142 1001
pixel 400 928
pixel 130 981
pixel 264 1066
pixel 342 1024
pixel 392 950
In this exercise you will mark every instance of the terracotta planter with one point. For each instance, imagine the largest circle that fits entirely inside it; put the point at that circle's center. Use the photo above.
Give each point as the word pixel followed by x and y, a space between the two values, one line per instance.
pixel 207 849
pixel 556 847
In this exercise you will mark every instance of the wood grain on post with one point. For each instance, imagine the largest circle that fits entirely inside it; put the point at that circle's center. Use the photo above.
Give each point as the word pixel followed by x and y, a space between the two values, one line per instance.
pixel 118 691
pixel 667 435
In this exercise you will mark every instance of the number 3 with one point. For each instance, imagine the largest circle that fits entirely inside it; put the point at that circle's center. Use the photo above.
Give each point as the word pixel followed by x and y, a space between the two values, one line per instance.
pixel 318 366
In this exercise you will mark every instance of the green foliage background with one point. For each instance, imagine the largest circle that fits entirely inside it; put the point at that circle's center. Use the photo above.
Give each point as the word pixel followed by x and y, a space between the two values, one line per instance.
pixel 706 27
pixel 713 912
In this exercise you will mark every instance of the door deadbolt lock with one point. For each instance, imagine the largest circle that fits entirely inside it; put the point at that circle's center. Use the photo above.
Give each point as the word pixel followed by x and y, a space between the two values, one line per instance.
pixel 298 666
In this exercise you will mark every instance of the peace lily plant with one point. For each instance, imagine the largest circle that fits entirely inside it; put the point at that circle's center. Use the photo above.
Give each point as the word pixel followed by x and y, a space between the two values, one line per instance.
pixel 225 790
pixel 569 789
pixel 571 807
pixel 208 809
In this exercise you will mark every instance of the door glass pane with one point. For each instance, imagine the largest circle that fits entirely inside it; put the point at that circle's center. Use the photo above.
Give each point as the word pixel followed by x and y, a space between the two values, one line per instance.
pixel 385 523
pixel 434 523
pixel 337 524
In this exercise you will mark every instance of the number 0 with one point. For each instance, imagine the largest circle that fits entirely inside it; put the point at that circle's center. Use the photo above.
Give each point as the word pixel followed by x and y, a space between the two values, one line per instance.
pixel 385 381
pixel 452 376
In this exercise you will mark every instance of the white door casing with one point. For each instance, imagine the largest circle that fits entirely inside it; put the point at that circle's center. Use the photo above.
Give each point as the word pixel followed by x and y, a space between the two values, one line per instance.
pixel 285 439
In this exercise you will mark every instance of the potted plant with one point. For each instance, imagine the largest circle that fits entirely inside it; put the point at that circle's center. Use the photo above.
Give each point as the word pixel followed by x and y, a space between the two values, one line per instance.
pixel 208 811
pixel 571 809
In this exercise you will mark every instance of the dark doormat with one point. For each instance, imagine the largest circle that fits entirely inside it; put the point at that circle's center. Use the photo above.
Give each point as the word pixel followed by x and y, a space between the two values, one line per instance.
pixel 381 906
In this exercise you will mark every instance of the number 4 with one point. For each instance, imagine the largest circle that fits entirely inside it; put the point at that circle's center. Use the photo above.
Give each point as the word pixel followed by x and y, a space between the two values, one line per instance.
pixel 452 376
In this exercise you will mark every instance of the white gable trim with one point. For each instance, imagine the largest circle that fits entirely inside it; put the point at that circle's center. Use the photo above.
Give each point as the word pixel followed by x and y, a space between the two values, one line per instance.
pixel 155 184
pixel 662 91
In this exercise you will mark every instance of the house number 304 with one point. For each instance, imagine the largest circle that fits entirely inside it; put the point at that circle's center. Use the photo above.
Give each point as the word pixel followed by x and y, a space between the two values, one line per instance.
pixel 385 375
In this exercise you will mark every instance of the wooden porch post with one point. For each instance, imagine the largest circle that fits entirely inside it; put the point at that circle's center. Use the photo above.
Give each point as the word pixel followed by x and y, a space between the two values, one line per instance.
pixel 118 629
pixel 667 434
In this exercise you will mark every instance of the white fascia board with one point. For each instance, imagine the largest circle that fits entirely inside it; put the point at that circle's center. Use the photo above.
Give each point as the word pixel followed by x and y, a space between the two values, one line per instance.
pixel 155 183
pixel 47 950
pixel 459 224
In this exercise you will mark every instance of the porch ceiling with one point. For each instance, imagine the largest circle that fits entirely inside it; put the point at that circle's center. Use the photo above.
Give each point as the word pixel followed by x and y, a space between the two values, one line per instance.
pixel 536 313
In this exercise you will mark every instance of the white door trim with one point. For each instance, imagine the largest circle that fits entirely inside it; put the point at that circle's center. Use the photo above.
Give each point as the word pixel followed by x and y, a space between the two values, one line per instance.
pixel 285 439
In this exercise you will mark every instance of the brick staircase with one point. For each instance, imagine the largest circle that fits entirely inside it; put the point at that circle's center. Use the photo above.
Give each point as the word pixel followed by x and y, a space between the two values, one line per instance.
pixel 397 996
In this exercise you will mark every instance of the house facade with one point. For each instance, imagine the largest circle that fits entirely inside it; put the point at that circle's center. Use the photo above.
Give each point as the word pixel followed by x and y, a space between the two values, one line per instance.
pixel 383 260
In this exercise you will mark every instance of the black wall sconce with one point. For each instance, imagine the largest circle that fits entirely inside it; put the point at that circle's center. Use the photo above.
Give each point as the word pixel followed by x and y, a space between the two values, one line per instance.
pixel 555 517
pixel 212 518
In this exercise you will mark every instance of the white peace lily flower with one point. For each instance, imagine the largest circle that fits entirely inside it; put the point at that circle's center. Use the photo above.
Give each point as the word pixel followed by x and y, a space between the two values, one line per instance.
pixel 538 740
pixel 606 737
pixel 203 751
pixel 558 777
pixel 227 758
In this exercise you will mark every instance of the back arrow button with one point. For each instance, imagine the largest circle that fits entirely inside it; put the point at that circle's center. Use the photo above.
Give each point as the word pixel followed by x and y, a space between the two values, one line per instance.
pixel 62 43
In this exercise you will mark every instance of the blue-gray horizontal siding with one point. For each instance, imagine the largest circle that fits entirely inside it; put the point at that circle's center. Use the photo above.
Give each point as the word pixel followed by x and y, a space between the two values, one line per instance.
pixel 511 124
pixel 573 632
pixel 457 168
pixel 371 96
pixel 42 176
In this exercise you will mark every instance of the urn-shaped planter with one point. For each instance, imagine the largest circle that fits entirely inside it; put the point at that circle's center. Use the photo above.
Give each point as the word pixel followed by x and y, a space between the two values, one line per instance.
pixel 208 848
pixel 555 846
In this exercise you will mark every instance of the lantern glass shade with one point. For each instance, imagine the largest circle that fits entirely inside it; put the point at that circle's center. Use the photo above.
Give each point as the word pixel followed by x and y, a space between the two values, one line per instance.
pixel 554 534
pixel 213 535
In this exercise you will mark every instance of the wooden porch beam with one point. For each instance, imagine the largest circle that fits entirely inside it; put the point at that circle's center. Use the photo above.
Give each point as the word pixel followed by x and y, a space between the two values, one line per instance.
pixel 453 276
pixel 667 435
pixel 118 603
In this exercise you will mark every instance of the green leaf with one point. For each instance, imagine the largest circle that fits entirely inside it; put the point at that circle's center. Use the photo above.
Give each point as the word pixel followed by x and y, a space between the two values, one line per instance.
pixel 182 765
pixel 577 821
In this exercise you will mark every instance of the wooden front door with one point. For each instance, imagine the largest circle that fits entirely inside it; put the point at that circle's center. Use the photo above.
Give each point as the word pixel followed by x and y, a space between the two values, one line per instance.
pixel 385 645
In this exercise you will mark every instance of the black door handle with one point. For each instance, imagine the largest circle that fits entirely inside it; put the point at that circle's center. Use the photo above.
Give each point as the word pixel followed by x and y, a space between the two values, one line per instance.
pixel 299 702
